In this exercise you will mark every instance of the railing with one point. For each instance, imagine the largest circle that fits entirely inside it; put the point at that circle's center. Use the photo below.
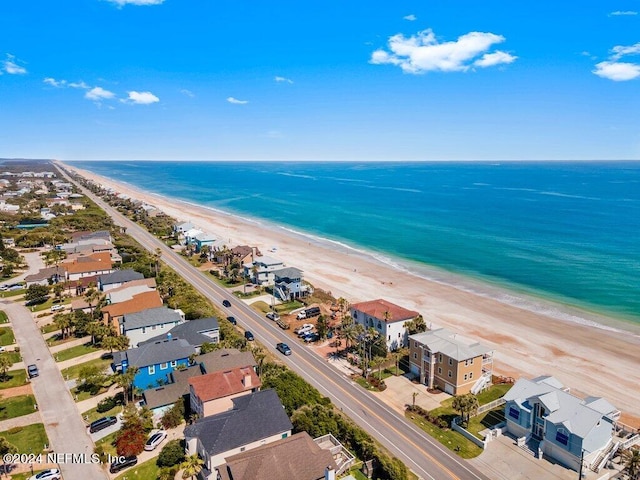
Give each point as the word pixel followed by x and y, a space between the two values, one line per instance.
pixel 605 455
pixel 490 406
pixel 630 441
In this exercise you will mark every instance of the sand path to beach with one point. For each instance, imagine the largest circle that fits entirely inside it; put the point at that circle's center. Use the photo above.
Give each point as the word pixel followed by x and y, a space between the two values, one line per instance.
pixel 589 360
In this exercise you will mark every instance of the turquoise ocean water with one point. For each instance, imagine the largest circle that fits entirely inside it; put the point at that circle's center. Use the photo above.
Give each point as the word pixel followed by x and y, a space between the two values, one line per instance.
pixel 569 231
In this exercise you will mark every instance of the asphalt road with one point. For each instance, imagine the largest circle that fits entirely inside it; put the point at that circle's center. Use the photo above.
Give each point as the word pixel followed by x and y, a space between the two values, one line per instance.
pixel 423 455
pixel 66 431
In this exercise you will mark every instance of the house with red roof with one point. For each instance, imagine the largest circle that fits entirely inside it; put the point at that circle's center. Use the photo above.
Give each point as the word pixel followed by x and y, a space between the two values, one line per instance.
pixel 214 392
pixel 386 318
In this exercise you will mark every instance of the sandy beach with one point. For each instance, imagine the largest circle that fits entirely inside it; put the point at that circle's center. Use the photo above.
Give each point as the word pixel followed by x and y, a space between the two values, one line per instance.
pixel 589 360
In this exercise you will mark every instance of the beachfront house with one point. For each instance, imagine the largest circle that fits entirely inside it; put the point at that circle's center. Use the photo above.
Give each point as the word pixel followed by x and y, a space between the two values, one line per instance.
pixel 566 428
pixel 446 361
pixel 262 270
pixel 203 239
pixel 155 361
pixel 181 228
pixel 151 322
pixel 386 318
pixel 255 420
pixel 289 284
pixel 244 254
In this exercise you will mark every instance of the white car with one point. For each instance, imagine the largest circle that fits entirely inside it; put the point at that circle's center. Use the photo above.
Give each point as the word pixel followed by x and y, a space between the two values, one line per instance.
pixel 273 316
pixel 307 327
pixel 155 440
pixel 50 474
pixel 57 308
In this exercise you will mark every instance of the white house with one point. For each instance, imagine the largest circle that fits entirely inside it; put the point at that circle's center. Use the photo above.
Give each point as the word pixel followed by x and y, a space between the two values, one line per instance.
pixel 262 270
pixel 386 318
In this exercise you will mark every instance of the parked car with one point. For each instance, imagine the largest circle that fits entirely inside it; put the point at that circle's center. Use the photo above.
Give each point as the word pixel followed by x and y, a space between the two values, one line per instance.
pixel 232 320
pixel 32 370
pixel 304 333
pixel 249 336
pixel 273 316
pixel 307 327
pixel 283 348
pixel 155 440
pixel 122 464
pixel 3 288
pixel 48 474
pixel 102 423
pixel 57 308
pixel 312 337
pixel 3 349
pixel 226 303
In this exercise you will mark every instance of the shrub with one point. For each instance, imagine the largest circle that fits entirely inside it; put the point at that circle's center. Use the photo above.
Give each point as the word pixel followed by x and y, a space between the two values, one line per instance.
pixel 171 454
pixel 14 430
pixel 106 404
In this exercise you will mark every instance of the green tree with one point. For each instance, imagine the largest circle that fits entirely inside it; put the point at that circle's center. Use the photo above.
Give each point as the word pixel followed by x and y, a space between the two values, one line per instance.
pixel 5 365
pixel 63 322
pixel 91 378
pixel 171 454
pixel 466 404
pixel 125 380
pixel 111 342
pixel 631 458
pixel 322 326
pixel 191 466
pixel 58 290
pixel 415 325
pixel 92 296
pixel 35 292
pixel 174 416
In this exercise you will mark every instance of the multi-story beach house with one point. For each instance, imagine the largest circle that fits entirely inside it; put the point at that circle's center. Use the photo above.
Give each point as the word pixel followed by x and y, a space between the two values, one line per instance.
pixel 87 265
pixel 289 284
pixel 261 270
pixel 444 360
pixel 214 392
pixel 149 323
pixel 566 428
pixel 117 279
pixel 386 318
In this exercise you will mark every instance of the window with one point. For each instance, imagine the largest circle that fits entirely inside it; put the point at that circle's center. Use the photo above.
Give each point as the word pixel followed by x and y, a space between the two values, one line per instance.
pixel 470 375
pixel 144 329
pixel 284 435
pixel 415 344
pixel 449 373
pixel 174 363
pixel 152 369
pixel 562 436
pixel 471 361
pixel 389 337
pixel 153 327
pixel 440 357
pixel 242 449
pixel 450 361
pixel 415 355
pixel 163 366
pixel 355 314
pixel 465 376
pixel 514 413
pixel 440 370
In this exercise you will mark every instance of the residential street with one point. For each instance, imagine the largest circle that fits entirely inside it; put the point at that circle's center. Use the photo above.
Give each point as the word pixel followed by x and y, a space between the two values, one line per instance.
pixel 65 429
pixel 424 456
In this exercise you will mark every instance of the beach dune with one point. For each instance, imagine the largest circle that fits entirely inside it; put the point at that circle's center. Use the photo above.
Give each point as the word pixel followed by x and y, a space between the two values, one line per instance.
pixel 588 359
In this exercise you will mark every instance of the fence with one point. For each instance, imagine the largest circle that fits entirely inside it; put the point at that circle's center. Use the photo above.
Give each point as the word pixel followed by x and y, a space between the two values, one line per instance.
pixel 490 406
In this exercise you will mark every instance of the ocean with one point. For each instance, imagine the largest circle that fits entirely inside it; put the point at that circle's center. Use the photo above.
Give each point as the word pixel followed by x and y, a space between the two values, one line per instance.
pixel 568 232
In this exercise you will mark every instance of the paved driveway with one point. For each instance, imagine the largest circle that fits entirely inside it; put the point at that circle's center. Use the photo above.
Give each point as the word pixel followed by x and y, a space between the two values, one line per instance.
pixel 65 429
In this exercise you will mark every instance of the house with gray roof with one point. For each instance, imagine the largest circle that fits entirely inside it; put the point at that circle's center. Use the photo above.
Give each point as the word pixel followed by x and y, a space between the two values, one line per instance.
pixel 566 428
pixel 255 420
pixel 225 359
pixel 289 284
pixel 149 323
pixel 117 278
pixel 261 270
pixel 196 332
pixel 160 399
pixel 447 361
pixel 155 361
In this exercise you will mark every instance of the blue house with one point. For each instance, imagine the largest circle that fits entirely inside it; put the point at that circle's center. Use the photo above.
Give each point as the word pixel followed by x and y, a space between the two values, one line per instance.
pixel 155 361
pixel 560 425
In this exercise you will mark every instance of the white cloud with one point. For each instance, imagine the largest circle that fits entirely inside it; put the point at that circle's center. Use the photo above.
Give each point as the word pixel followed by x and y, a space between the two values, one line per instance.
pixel 495 58
pixel 79 85
pixel 188 93
pixel 614 69
pixel 411 18
pixel 11 67
pixel 98 93
pixel 619 51
pixel 283 80
pixel 55 83
pixel 621 13
pixel 122 3
pixel 423 52
pixel 236 101
pixel 617 71
pixel 142 98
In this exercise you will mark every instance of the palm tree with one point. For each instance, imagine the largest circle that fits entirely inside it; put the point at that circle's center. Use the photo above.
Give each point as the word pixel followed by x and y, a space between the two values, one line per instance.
pixel 110 342
pixel 260 355
pixel 376 362
pixel 125 380
pixel 91 297
pixel 397 355
pixel 631 458
pixel 156 258
pixel 191 466
pixel 63 322
pixel 414 395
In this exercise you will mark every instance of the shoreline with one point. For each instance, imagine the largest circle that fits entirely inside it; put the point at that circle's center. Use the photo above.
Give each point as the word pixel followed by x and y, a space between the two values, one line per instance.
pixel 590 359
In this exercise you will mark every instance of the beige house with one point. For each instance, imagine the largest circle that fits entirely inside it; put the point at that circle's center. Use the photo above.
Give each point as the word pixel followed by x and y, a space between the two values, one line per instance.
pixel 445 361
pixel 214 392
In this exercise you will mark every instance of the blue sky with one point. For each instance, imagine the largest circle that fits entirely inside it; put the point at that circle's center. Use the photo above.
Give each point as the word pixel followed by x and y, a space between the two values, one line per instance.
pixel 237 80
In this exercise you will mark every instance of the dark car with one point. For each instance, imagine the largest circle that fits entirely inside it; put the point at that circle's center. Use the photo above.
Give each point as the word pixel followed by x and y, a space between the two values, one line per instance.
pixel 232 320
pixel 249 336
pixel 123 463
pixel 32 370
pixel 312 337
pixel 102 423
pixel 226 303
pixel 283 348
pixel 37 301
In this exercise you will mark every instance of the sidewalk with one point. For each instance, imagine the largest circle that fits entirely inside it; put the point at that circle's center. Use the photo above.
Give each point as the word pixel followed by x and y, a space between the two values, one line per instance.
pixel 22 421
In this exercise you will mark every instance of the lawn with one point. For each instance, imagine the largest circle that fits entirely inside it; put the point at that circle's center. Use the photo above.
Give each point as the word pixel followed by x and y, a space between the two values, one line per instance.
pixel 15 357
pixel 74 352
pixel 58 340
pixel 454 441
pixel 3 317
pixel 49 303
pixel 6 336
pixel 492 393
pixel 16 378
pixel 17 406
pixel 74 371
pixel 143 471
pixel 485 420
pixel 13 293
pixel 108 443
pixel 51 327
pixel 26 439
pixel 92 415
pixel 80 394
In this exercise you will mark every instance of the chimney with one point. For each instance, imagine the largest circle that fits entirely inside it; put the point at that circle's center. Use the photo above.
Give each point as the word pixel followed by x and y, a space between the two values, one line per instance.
pixel 329 473
pixel 246 381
